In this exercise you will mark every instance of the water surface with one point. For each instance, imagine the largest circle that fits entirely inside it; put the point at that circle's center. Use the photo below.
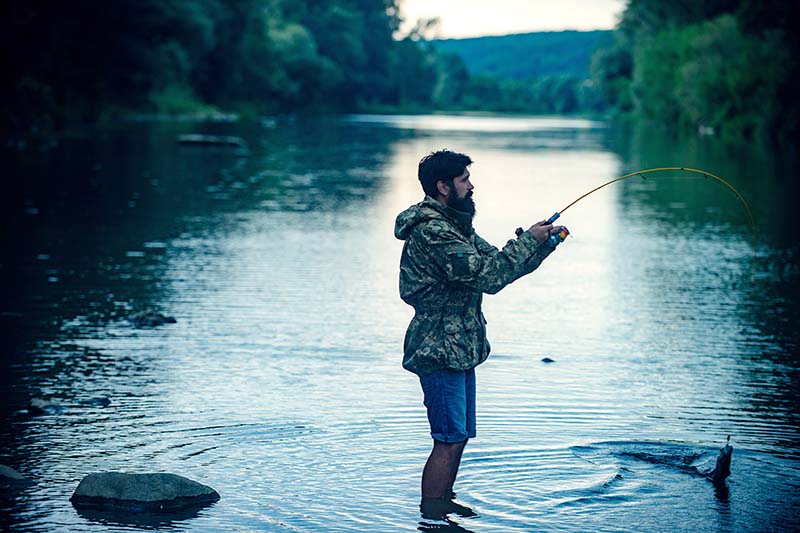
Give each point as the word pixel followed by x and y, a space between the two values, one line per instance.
pixel 280 384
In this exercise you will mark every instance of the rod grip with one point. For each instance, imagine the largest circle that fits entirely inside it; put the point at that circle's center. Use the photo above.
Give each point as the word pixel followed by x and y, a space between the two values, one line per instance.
pixel 520 231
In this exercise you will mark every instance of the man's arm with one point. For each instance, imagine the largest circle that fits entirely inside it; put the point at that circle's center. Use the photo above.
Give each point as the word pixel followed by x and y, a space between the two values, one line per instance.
pixel 482 268
pixel 531 263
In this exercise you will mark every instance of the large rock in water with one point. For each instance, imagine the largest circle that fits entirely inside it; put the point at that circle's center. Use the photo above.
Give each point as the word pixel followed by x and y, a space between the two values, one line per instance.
pixel 40 406
pixel 141 492
pixel 10 478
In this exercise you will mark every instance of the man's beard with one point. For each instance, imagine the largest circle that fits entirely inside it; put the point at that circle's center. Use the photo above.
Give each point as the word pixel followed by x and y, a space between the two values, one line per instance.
pixel 465 205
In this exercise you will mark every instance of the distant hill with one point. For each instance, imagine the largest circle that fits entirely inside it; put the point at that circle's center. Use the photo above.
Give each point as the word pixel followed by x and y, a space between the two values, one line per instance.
pixel 527 55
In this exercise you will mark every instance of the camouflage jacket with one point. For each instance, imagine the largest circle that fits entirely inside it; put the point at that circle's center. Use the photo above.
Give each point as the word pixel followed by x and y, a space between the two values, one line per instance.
pixel 444 270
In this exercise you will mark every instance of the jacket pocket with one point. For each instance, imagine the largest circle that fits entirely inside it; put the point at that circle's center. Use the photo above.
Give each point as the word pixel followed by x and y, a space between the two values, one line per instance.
pixel 461 264
pixel 487 348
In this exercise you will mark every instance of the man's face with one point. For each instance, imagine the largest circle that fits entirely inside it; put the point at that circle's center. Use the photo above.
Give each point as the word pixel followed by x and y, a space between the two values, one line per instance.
pixel 460 195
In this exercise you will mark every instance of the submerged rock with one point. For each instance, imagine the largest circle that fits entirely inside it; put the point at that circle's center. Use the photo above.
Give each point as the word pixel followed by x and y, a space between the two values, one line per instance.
pixel 40 406
pixel 11 481
pixel 198 139
pixel 8 474
pixel 141 492
pixel 97 402
pixel 149 319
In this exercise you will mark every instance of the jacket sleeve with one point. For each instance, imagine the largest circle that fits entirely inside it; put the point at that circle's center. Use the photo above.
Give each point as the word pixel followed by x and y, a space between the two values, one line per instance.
pixel 481 267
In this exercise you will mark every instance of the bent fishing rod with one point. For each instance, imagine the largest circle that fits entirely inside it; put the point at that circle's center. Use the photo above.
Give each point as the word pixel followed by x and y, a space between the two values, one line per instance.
pixel 695 173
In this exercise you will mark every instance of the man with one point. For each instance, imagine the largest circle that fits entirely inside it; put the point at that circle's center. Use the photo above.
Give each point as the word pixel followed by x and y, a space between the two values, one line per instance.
pixel 444 270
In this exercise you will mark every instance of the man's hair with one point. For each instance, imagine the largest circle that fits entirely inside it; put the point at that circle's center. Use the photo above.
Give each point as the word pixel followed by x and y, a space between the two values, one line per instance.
pixel 441 165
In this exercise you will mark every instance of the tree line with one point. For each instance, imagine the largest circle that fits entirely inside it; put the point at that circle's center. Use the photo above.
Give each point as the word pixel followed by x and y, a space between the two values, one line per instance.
pixel 729 67
pixel 78 62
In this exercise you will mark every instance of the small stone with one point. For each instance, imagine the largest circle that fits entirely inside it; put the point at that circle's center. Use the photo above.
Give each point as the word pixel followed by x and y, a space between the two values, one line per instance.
pixel 198 139
pixel 97 402
pixel 141 492
pixel 9 474
pixel 150 319
pixel 40 406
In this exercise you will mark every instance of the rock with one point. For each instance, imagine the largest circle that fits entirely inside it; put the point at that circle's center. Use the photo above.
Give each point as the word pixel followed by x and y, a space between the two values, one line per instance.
pixel 198 139
pixel 705 130
pixel 8 474
pixel 141 492
pixel 97 402
pixel 39 406
pixel 11 480
pixel 150 319
pixel 548 360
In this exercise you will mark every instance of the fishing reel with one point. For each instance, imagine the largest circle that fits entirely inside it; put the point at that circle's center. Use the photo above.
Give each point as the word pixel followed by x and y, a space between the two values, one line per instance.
pixel 555 239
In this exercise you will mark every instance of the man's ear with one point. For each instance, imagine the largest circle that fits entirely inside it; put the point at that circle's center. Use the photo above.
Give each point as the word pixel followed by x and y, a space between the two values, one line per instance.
pixel 443 187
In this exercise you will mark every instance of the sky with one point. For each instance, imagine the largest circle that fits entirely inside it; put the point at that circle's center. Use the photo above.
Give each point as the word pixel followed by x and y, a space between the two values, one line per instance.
pixel 472 18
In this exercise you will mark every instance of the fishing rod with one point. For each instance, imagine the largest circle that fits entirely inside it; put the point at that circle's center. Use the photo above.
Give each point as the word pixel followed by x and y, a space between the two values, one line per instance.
pixel 641 173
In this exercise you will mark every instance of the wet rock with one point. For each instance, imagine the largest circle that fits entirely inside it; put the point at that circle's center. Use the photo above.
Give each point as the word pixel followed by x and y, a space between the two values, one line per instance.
pixel 141 492
pixel 11 481
pixel 40 406
pixel 97 402
pixel 548 360
pixel 149 319
pixel 9 475
pixel 723 467
pixel 198 139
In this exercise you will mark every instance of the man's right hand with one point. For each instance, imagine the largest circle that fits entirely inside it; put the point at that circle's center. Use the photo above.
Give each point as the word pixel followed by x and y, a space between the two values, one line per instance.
pixel 542 230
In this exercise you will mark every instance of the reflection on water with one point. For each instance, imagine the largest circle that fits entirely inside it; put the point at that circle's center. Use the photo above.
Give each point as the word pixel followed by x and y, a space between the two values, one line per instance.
pixel 280 384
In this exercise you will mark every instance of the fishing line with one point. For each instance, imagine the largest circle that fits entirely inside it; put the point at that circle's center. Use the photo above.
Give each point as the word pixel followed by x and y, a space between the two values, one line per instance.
pixel 695 174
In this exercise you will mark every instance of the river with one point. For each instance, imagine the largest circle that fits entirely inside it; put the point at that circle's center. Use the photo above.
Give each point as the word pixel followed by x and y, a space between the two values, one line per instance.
pixel 280 385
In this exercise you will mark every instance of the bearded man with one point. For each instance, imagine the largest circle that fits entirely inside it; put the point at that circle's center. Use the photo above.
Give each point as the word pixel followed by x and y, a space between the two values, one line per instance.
pixel 445 268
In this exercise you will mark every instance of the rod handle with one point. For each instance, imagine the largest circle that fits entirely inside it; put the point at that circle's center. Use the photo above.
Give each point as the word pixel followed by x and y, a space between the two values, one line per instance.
pixel 520 231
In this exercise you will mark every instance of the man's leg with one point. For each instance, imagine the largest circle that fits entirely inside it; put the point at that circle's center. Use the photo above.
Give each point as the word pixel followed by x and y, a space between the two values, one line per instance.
pixel 441 469
pixel 450 400
pixel 450 493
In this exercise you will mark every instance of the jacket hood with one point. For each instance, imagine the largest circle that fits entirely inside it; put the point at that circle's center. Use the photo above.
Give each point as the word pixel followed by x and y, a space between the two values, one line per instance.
pixel 430 209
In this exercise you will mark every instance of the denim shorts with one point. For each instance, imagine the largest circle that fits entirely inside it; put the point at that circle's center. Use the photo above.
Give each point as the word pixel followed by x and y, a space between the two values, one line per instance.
pixel 450 399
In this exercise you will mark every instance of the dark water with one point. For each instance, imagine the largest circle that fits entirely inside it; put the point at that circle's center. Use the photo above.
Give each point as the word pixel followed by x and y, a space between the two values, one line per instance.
pixel 280 384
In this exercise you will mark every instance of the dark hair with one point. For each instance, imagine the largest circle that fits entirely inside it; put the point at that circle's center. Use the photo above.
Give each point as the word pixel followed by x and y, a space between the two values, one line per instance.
pixel 441 165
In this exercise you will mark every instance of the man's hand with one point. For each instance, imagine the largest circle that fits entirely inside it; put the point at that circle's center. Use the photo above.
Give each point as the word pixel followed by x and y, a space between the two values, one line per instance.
pixel 542 230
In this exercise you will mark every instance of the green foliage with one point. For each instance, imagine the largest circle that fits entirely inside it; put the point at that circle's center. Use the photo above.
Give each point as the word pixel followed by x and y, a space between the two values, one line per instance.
pixel 656 72
pixel 414 73
pixel 611 72
pixel 730 81
pixel 451 81
pixel 85 61
pixel 543 72
pixel 177 99
pixel 725 66
pixel 75 61
pixel 527 55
